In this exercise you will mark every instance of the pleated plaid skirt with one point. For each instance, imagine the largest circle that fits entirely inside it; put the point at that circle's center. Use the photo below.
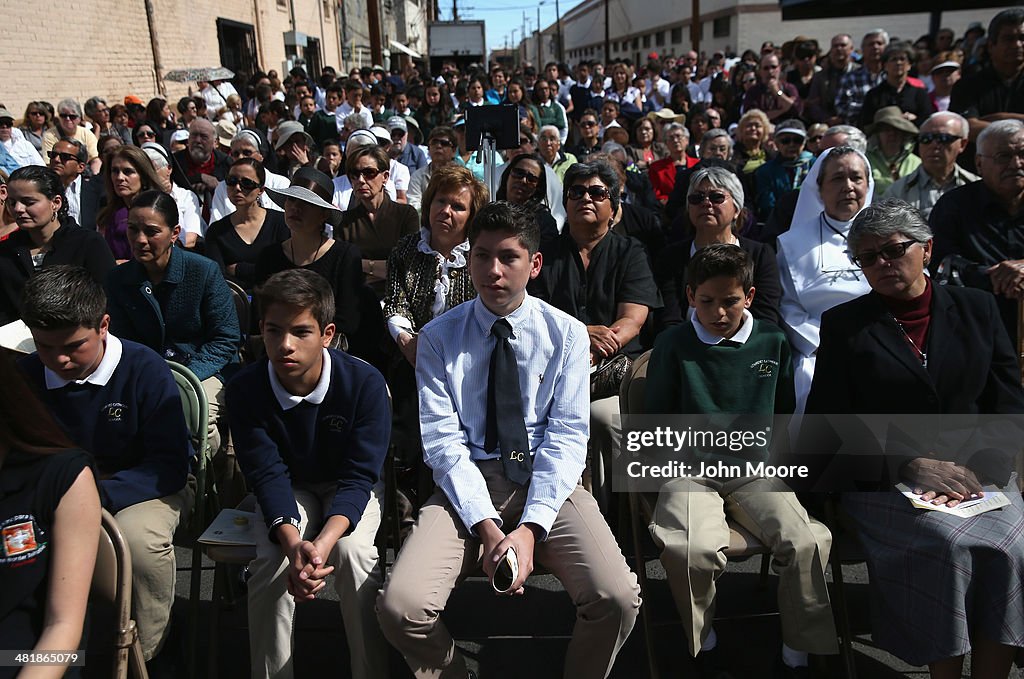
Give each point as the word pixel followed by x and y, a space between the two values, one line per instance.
pixel 937 578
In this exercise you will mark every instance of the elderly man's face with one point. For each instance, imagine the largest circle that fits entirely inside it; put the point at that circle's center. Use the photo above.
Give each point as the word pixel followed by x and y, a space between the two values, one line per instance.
pixel 6 125
pixel 841 49
pixel 872 47
pixel 897 66
pixel 1001 166
pixel 939 143
pixel 201 138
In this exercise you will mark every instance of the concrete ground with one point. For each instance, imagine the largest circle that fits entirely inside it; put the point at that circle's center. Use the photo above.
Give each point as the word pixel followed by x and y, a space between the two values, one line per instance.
pixel 527 636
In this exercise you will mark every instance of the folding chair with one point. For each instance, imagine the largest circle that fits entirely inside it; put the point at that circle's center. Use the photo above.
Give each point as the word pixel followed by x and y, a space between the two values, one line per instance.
pixel 196 409
pixel 742 544
pixel 113 636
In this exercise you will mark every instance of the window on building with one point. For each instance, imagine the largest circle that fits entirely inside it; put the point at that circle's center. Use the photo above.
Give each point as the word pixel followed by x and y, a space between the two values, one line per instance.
pixel 327 9
pixel 721 27
pixel 636 43
pixel 647 40
pixel 677 35
pixel 282 4
pixel 659 38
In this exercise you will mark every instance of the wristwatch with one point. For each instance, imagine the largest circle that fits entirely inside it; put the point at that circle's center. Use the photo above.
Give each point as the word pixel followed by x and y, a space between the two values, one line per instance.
pixel 780 93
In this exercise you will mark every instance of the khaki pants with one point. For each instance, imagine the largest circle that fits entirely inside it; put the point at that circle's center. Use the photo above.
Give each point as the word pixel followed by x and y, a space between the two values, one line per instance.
pixel 149 527
pixel 690 528
pixel 357 580
pixel 580 551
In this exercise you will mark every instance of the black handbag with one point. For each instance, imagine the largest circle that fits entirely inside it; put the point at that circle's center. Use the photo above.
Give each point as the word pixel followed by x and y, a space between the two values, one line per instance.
pixel 605 380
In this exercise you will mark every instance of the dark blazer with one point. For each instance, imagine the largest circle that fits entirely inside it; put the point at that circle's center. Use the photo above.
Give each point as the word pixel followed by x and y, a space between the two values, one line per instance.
pixel 92 198
pixel 865 366
pixel 670 275
pixel 189 317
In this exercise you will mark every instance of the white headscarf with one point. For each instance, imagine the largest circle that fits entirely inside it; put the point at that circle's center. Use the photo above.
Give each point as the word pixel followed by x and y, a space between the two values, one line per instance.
pixel 816 273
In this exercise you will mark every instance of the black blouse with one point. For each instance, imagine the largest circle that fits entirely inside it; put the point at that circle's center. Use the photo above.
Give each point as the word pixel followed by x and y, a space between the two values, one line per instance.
pixel 226 247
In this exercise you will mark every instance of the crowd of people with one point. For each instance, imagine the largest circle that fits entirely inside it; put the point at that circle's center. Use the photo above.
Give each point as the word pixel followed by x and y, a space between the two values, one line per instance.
pixel 849 221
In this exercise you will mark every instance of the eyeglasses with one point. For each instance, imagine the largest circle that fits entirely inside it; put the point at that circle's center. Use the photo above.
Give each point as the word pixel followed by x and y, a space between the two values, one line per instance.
pixel 246 184
pixel 815 139
pixel 396 135
pixel 698 198
pixel 789 139
pixel 588 123
pixel 367 173
pixel 146 134
pixel 596 193
pixel 443 143
pixel 1004 157
pixel 747 81
pixel 528 177
pixel 36 113
pixel 6 123
pixel 69 116
pixel 940 137
pixel 887 252
pixel 64 157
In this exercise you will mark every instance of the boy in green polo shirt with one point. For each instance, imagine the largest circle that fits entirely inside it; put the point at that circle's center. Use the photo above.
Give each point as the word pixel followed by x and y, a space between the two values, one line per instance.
pixel 725 361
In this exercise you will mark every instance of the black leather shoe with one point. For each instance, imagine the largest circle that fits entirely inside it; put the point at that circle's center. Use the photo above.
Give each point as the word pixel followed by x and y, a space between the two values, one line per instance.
pixel 711 665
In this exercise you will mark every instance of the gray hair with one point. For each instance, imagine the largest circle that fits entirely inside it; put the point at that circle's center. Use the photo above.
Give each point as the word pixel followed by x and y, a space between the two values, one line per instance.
pixel 600 169
pixel 998 131
pixel 70 105
pixel 92 103
pixel 356 120
pixel 942 116
pixel 885 218
pixel 715 133
pixel 672 127
pixel 613 147
pixel 720 178
pixel 552 129
pixel 247 137
pixel 835 154
pixel 854 136
pixel 878 31
pixel 159 160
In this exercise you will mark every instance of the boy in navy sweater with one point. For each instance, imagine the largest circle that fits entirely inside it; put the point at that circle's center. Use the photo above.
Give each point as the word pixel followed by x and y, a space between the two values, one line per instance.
pixel 311 428
pixel 118 400
pixel 725 361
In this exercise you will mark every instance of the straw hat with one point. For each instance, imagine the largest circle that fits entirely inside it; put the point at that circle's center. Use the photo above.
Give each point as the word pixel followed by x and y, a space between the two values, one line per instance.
pixel 891 116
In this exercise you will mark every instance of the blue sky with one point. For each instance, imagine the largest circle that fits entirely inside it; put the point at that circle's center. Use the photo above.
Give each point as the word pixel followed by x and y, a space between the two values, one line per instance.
pixel 504 15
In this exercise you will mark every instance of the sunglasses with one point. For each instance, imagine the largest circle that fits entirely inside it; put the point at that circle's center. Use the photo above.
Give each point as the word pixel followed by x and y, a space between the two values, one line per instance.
pixel 596 193
pixel 69 116
pixel 146 134
pixel 588 123
pixel 528 177
pixel 397 135
pixel 6 123
pixel 367 173
pixel 888 253
pixel 64 157
pixel 816 138
pixel 789 139
pixel 940 137
pixel 443 143
pixel 246 184
pixel 36 113
pixel 698 198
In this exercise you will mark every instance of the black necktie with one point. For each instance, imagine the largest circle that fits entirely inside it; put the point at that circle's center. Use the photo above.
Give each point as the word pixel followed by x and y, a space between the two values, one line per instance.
pixel 507 432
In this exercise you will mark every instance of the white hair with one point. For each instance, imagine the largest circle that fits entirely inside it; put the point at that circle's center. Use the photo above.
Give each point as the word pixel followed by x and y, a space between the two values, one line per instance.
pixel 942 116
pixel 998 131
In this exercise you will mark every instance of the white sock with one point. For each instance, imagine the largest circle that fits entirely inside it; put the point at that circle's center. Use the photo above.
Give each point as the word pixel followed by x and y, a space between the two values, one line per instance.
pixel 793 658
pixel 711 641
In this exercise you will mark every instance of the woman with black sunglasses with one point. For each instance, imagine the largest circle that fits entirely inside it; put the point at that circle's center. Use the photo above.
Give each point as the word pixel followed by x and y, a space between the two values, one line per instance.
pixel 373 221
pixel 715 208
pixel 524 182
pixel 235 241
pixel 35 123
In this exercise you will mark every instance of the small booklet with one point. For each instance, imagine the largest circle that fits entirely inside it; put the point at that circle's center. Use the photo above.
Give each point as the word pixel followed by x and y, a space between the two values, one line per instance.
pixel 16 337
pixel 231 527
pixel 992 499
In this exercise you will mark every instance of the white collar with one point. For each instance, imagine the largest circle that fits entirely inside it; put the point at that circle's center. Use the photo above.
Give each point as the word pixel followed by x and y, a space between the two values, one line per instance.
pixel 100 376
pixel 287 400
pixel 741 336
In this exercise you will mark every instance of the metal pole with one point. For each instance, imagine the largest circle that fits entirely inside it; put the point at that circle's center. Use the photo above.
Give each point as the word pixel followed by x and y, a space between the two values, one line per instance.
pixel 158 66
pixel 540 58
pixel 606 30
pixel 695 25
pixel 558 21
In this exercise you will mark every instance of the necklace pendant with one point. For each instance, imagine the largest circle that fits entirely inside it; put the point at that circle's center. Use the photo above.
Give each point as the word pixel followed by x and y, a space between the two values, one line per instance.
pixel 924 360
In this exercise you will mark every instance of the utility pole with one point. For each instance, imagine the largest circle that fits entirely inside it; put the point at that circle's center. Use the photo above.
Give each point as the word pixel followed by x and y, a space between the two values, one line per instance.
pixel 455 10
pixel 522 56
pixel 558 20
pixel 695 25
pixel 373 24
pixel 540 59
pixel 607 51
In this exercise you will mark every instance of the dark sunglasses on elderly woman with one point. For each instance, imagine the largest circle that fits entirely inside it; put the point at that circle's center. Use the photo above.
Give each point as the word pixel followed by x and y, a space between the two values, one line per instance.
pixel 596 193
pixel 886 252
pixel 367 173
pixel 246 184
pixel 698 198
pixel 523 175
